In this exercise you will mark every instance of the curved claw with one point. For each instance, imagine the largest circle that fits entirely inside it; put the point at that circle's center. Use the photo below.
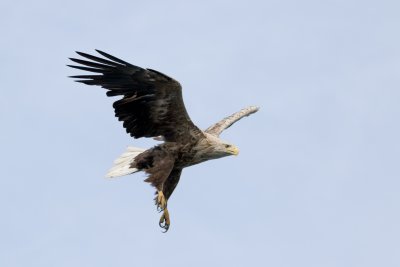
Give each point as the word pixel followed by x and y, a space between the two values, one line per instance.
pixel 164 220
pixel 159 209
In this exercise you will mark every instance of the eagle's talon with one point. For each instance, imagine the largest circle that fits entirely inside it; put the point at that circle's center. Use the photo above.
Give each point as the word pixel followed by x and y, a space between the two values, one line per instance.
pixel 165 221
pixel 161 201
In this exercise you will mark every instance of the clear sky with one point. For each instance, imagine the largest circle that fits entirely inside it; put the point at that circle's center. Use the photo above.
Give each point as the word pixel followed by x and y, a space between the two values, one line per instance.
pixel 317 182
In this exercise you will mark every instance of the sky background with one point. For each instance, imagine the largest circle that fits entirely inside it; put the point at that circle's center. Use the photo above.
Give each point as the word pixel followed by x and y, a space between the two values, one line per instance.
pixel 316 182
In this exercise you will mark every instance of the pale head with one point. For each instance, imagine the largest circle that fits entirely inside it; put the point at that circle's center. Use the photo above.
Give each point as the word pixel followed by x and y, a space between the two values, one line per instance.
pixel 218 148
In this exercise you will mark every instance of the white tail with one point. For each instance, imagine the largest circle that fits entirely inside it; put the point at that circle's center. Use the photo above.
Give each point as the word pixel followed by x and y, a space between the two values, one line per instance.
pixel 122 165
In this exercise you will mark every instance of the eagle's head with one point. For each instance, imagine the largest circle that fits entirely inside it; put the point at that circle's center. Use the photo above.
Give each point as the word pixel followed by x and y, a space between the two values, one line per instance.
pixel 218 148
pixel 231 149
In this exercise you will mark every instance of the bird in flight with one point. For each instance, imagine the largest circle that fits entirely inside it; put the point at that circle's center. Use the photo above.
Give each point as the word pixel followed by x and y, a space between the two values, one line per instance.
pixel 152 106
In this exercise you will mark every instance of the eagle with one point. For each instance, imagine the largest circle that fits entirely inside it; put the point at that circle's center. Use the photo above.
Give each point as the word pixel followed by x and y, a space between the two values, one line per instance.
pixel 152 106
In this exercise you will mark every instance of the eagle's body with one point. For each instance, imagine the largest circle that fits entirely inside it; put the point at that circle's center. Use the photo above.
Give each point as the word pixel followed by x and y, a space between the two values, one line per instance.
pixel 152 106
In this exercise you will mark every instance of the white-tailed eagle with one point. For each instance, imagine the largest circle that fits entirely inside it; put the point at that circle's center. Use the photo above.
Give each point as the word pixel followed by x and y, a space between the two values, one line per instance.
pixel 152 106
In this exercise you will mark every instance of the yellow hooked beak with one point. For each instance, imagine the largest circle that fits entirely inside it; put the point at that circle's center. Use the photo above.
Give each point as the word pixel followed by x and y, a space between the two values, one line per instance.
pixel 233 150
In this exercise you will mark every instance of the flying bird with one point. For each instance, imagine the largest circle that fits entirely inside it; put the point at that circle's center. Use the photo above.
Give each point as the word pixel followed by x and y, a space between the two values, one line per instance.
pixel 152 106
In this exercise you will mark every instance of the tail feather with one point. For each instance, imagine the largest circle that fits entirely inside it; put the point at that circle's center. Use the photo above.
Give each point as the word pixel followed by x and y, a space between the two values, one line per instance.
pixel 122 165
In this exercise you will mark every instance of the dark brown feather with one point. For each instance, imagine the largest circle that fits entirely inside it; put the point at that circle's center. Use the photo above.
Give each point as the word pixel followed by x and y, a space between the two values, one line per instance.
pixel 113 58
pixel 97 59
pixel 91 64
pixel 86 69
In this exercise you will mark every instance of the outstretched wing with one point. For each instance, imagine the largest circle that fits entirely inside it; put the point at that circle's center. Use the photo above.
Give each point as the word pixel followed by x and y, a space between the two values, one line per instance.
pixel 220 126
pixel 152 103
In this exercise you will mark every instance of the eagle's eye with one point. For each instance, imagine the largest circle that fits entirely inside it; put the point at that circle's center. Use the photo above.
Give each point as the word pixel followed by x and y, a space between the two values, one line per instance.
pixel 226 146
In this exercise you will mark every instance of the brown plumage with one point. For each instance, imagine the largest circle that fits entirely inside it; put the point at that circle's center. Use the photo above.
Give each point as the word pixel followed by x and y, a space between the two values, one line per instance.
pixel 152 106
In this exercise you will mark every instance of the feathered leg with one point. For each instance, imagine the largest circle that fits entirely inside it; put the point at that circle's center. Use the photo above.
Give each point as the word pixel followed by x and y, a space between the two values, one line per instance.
pixel 158 163
pixel 167 189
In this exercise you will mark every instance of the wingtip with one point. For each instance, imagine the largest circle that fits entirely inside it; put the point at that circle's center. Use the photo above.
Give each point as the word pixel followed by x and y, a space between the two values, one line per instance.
pixel 80 53
pixel 101 52
pixel 252 109
pixel 75 60
pixel 72 66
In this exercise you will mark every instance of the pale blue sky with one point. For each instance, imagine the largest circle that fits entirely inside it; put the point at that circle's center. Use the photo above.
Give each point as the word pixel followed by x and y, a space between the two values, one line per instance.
pixel 316 183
